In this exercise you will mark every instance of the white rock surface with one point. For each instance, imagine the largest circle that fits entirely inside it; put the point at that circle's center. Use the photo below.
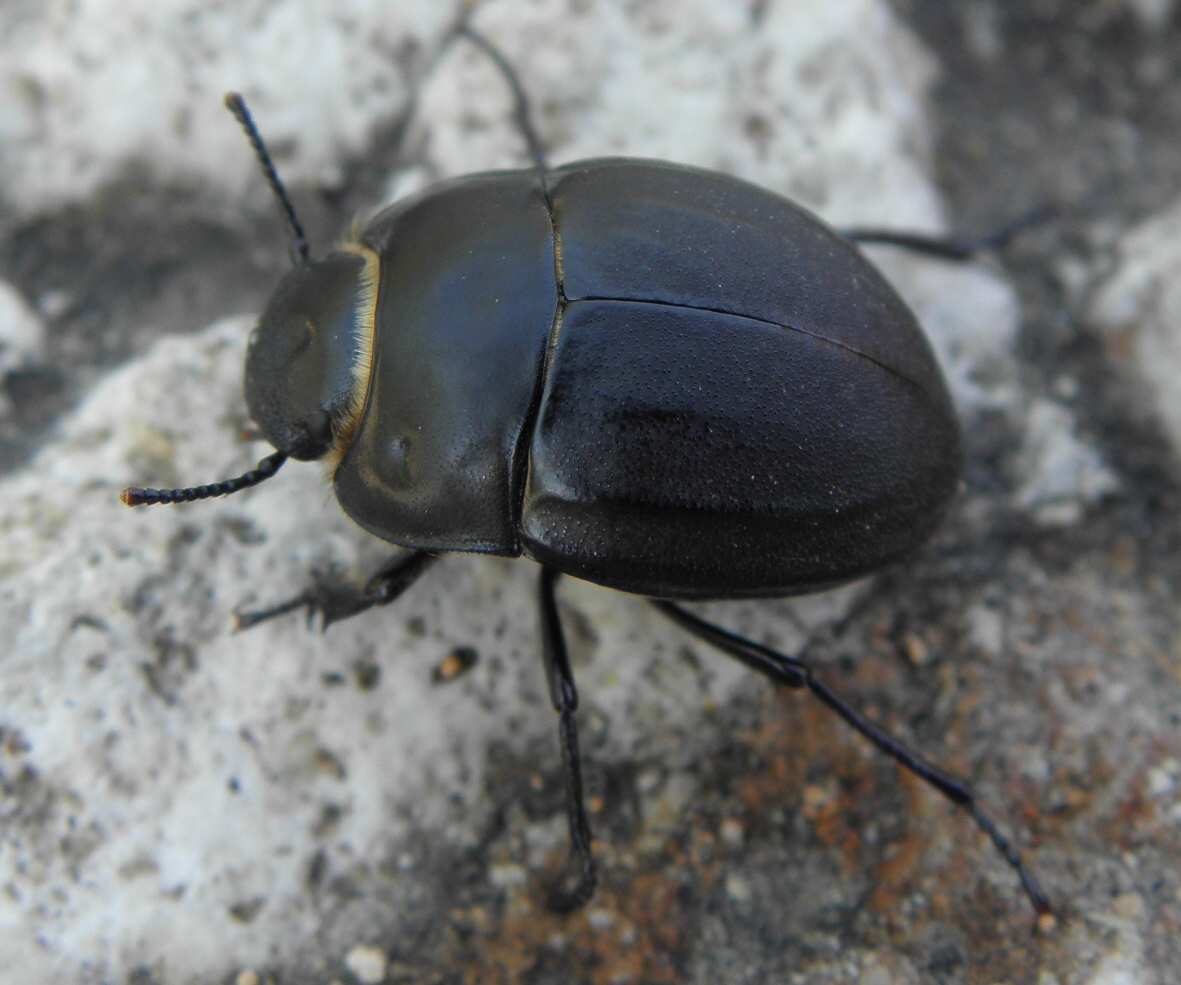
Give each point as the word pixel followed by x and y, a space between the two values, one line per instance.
pixel 1139 311
pixel 22 335
pixel 89 88
pixel 170 777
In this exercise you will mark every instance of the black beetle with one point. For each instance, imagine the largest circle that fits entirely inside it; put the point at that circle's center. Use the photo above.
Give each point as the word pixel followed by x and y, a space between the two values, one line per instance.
pixel 654 377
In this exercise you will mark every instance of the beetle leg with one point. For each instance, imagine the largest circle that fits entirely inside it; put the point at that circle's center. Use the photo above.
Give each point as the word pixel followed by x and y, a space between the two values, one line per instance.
pixel 795 673
pixel 333 601
pixel 950 247
pixel 522 114
pixel 564 697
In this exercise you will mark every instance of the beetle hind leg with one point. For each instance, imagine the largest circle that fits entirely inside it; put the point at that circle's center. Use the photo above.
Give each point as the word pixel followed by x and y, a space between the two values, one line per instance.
pixel 579 884
pixel 796 673
pixel 331 601
pixel 522 112
pixel 956 249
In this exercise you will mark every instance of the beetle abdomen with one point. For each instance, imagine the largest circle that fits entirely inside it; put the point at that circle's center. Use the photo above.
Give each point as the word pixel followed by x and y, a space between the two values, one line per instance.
pixel 737 402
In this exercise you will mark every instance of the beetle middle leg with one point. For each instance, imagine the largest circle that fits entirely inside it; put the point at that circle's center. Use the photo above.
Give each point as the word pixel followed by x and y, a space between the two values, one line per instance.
pixel 333 601
pixel 564 898
pixel 796 673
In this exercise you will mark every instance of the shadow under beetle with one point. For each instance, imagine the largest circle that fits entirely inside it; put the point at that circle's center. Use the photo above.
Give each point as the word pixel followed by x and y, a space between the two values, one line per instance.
pixel 654 377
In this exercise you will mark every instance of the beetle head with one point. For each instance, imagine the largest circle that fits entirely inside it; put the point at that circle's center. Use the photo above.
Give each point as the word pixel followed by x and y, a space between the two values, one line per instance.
pixel 307 365
pixel 307 368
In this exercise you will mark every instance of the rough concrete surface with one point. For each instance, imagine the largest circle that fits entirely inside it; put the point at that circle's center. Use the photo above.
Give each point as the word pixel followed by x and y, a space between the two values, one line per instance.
pixel 181 804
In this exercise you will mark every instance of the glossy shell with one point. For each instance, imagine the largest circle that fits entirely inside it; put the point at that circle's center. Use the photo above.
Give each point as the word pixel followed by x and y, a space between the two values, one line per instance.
pixel 658 378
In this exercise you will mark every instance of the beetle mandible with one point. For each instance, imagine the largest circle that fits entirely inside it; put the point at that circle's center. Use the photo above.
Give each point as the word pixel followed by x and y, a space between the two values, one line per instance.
pixel 654 377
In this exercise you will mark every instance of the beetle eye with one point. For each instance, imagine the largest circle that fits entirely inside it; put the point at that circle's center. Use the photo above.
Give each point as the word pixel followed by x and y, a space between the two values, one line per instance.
pixel 319 427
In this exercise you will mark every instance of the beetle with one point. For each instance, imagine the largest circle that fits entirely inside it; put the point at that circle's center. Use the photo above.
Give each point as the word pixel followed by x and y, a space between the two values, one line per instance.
pixel 654 377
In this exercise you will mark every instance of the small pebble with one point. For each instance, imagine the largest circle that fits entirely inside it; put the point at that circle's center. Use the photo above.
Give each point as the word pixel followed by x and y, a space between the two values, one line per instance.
pixel 506 876
pixel 732 832
pixel 367 963
pixel 738 888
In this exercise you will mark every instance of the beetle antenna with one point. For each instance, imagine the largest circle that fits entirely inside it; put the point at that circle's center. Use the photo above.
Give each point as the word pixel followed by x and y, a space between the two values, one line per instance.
pixel 237 105
pixel 135 496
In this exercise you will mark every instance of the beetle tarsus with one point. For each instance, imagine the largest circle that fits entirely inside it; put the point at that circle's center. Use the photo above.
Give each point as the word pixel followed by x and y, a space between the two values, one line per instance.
pixel 326 602
pixel 1029 881
pixel 564 898
pixel 246 620
pixel 329 601
pixel 795 673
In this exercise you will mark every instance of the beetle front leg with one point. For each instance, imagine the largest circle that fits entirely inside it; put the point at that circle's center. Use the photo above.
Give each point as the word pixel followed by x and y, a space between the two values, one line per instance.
pixel 564 697
pixel 795 673
pixel 334 601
